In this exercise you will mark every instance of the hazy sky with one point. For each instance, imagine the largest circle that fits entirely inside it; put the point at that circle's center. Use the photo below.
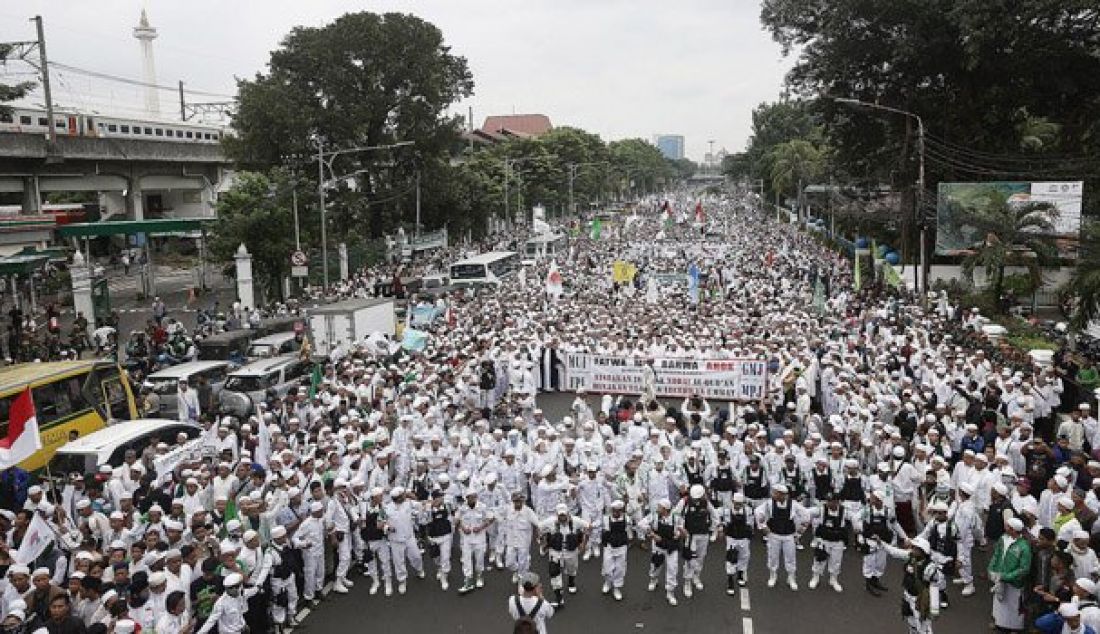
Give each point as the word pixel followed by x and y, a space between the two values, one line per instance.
pixel 619 68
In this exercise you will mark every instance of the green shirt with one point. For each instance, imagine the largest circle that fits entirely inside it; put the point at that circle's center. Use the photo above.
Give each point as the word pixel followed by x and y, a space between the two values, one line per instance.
pixel 1012 563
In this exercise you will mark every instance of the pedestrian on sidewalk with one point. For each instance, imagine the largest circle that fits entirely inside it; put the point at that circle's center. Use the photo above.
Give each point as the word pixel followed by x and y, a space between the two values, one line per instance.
pixel 126 262
pixel 159 310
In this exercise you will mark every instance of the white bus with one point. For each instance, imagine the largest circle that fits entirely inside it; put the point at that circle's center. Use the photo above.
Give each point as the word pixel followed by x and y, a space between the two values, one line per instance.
pixel 545 245
pixel 487 268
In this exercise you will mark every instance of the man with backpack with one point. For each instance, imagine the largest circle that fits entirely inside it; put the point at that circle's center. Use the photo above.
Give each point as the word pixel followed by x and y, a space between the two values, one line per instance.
pixel 529 604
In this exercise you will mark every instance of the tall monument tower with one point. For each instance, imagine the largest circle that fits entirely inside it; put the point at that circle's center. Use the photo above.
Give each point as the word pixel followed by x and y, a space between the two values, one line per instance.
pixel 146 34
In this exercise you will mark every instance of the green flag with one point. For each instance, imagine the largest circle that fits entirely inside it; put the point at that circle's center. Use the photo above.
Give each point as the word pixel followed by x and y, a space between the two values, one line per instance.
pixel 890 275
pixel 819 295
pixel 315 380
pixel 597 227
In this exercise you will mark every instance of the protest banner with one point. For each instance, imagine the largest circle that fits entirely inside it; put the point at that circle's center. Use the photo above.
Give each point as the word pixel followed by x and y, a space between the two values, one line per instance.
pixel 718 379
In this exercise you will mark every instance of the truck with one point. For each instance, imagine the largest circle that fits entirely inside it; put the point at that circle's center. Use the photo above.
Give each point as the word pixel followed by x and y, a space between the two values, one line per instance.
pixel 350 321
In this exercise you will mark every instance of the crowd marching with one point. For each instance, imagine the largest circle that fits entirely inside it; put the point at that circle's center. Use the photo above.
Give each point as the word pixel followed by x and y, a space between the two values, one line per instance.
pixel 885 430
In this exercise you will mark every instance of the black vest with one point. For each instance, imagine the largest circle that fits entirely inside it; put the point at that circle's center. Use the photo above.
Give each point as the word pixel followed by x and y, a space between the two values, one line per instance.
pixel 737 526
pixel 823 483
pixel 563 541
pixel 782 521
pixel 723 479
pixel 666 533
pixel 877 524
pixel 616 534
pixel 371 526
pixel 852 490
pixel 697 518
pixel 440 522
pixel 832 527
pixel 756 487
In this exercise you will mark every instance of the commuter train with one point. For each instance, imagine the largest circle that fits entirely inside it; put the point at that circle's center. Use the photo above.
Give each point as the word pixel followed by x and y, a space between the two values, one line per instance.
pixel 32 121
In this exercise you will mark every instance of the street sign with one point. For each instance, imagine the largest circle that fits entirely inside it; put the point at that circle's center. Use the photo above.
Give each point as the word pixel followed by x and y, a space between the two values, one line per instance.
pixel 298 258
pixel 299 271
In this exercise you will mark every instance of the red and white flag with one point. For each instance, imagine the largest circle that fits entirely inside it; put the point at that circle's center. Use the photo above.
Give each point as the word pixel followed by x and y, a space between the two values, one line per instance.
pixel 554 281
pixel 700 217
pixel 22 440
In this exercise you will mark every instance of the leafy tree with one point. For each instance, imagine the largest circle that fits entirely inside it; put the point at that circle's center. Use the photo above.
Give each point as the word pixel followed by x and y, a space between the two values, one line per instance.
pixel 1013 234
pixel 638 165
pixel 794 163
pixel 257 212
pixel 1084 283
pixel 965 66
pixel 773 124
pixel 11 92
pixel 364 80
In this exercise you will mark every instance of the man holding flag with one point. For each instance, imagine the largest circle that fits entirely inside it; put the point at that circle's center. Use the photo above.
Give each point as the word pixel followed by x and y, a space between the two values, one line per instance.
pixel 554 286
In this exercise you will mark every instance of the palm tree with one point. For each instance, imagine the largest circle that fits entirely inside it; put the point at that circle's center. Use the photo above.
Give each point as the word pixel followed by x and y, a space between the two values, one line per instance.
pixel 796 161
pixel 1084 284
pixel 1015 234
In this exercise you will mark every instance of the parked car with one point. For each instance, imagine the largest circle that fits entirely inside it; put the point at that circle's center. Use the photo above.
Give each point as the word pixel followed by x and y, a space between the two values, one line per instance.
pixel 226 346
pixel 273 346
pixel 108 446
pixel 165 383
pixel 252 382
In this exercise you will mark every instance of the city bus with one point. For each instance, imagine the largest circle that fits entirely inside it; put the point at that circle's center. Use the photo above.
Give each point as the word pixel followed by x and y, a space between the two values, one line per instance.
pixel 545 245
pixel 485 269
pixel 71 399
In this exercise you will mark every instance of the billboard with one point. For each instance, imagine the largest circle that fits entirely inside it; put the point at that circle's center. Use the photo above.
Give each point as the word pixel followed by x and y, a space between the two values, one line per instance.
pixel 954 236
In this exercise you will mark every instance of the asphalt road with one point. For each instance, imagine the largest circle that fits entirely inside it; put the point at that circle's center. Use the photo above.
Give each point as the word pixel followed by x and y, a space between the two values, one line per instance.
pixel 759 610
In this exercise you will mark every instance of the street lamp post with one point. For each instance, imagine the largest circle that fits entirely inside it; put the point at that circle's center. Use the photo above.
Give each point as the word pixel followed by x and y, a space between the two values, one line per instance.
pixel 919 282
pixel 508 163
pixel 324 160
pixel 573 167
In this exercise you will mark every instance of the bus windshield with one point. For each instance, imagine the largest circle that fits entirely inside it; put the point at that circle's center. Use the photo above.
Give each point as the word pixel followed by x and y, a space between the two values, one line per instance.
pixel 467 271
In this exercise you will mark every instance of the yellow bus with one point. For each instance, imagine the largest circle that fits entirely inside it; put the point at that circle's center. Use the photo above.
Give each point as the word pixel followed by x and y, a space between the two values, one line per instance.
pixel 71 399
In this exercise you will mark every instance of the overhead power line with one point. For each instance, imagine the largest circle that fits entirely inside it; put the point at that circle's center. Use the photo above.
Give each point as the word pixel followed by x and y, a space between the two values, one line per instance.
pixel 135 82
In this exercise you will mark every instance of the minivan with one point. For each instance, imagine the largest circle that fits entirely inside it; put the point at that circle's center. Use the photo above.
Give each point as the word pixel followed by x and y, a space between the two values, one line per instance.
pixel 249 384
pixel 165 383
pixel 273 346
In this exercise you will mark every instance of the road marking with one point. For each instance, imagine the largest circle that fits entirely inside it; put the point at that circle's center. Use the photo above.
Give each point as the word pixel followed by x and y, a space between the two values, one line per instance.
pixel 745 605
pixel 746 625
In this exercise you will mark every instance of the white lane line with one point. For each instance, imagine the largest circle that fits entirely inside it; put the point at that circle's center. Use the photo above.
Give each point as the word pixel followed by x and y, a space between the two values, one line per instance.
pixel 745 605
pixel 746 625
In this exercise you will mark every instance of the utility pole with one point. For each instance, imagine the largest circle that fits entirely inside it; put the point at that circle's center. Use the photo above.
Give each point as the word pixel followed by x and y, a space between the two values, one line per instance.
pixel 572 175
pixel 920 280
pixel 417 230
pixel 321 197
pixel 507 167
pixel 297 233
pixel 45 70
pixel 183 104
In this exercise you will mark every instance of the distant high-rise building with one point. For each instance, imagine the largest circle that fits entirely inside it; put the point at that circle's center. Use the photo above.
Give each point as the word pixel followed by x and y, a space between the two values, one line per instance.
pixel 671 145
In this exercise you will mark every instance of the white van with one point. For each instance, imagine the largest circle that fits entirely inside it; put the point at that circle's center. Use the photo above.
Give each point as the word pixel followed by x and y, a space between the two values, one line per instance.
pixel 108 446
pixel 274 345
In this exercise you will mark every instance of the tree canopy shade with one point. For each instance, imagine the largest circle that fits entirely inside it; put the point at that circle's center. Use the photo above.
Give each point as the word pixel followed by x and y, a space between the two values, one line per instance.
pixel 967 67
pixel 364 80
pixel 1084 283
pixel 11 92
pixel 257 211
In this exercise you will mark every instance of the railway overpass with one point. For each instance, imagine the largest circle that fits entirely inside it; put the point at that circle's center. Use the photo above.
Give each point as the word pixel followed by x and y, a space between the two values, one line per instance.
pixel 135 179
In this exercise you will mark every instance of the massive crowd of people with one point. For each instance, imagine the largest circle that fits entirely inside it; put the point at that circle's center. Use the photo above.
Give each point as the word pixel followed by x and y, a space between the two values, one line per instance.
pixel 887 427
